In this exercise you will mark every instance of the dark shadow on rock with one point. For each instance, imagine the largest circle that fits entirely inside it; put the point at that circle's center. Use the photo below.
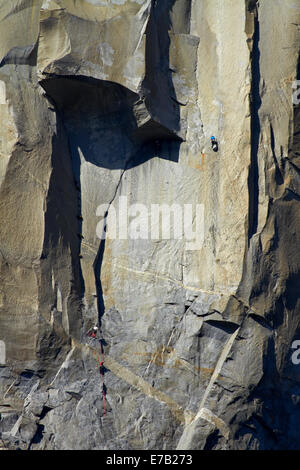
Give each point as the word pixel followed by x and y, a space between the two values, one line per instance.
pixel 278 175
pixel 97 271
pixel 100 118
pixel 158 88
pixel 112 127
pixel 292 294
pixel 18 55
pixel 39 435
pixel 61 230
pixel 255 127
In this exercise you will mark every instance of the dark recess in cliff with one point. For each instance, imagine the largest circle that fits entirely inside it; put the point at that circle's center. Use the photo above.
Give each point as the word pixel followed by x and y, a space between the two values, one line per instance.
pixel 255 104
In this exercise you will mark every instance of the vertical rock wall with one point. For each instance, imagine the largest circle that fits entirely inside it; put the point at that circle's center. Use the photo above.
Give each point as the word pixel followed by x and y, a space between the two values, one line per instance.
pixel 104 103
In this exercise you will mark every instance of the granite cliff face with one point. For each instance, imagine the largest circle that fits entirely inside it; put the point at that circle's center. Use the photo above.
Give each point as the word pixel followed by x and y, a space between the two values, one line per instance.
pixel 106 101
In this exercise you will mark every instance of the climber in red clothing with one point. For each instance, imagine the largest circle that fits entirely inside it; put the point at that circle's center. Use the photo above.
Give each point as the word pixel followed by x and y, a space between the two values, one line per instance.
pixel 94 333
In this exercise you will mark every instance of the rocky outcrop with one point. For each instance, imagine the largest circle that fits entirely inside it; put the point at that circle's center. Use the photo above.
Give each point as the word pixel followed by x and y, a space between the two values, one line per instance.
pixel 111 102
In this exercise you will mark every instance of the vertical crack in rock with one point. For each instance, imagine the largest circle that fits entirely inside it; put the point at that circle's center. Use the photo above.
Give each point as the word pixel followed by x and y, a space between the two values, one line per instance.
pixel 278 175
pixel 255 103
pixel 99 257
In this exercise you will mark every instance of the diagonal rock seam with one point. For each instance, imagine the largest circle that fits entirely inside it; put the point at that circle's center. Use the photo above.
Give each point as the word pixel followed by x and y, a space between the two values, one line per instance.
pixel 184 442
pixel 185 417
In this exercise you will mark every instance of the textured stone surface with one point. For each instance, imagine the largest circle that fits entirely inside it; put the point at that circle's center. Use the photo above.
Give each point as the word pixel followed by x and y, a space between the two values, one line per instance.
pixel 102 100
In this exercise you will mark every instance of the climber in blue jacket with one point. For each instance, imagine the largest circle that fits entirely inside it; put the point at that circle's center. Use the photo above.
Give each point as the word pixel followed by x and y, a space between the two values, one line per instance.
pixel 214 143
